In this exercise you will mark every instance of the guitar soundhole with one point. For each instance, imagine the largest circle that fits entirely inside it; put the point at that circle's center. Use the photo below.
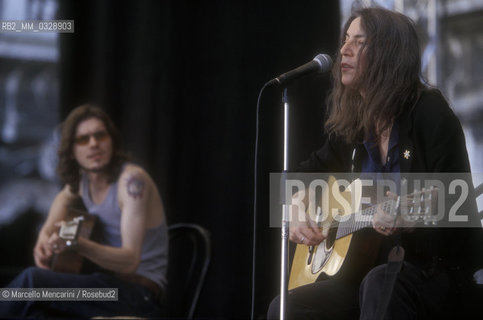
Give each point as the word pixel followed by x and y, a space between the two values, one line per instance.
pixel 323 252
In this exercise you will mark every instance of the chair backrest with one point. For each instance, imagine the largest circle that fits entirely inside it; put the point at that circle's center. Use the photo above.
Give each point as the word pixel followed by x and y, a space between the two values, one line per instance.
pixel 189 258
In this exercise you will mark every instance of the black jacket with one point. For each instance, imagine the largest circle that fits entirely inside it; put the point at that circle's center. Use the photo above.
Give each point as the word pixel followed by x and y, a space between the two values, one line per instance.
pixel 429 130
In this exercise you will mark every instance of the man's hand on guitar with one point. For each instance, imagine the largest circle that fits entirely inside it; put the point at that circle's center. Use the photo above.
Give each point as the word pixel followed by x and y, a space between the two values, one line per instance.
pixel 306 232
pixel 56 243
pixel 42 253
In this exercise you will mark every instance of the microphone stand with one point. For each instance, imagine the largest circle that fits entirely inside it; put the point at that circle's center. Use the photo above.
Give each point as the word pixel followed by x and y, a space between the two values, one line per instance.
pixel 285 221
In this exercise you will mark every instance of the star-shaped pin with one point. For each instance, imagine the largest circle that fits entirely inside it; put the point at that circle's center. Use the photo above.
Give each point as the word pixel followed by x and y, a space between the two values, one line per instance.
pixel 407 154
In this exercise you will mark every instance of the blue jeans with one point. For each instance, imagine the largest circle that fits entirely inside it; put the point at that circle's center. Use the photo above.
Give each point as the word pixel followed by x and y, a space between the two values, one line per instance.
pixel 133 300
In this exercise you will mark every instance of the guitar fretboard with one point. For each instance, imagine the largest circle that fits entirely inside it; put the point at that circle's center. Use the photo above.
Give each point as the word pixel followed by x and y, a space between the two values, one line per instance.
pixel 417 206
pixel 361 219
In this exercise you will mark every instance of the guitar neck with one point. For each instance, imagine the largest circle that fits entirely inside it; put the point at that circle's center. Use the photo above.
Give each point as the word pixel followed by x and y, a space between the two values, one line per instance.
pixel 361 219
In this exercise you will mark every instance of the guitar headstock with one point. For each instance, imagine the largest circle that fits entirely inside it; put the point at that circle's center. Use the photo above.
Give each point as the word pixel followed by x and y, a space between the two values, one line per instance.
pixel 420 206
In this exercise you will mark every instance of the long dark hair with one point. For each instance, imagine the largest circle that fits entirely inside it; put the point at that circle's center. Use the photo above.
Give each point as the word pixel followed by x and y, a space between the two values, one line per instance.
pixel 67 168
pixel 390 77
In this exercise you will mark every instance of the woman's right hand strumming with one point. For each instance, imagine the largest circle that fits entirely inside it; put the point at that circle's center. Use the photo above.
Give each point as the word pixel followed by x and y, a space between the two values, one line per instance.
pixel 305 232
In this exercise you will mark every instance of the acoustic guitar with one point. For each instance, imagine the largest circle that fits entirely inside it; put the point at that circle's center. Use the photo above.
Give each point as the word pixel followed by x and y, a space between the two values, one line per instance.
pixel 350 247
pixel 80 225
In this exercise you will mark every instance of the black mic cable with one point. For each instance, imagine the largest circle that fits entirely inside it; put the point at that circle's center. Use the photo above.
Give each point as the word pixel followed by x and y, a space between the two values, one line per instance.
pixel 255 191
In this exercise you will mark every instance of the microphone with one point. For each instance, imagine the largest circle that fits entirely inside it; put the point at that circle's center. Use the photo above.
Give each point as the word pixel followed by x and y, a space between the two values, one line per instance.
pixel 320 64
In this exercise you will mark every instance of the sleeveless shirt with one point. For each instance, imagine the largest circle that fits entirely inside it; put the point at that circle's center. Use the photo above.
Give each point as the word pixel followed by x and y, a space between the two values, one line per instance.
pixel 154 254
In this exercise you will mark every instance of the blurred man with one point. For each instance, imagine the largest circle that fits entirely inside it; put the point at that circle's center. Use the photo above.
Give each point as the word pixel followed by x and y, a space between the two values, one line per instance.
pixel 131 251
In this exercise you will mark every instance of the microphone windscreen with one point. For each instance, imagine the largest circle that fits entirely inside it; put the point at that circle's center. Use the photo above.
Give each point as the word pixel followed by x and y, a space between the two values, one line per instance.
pixel 325 62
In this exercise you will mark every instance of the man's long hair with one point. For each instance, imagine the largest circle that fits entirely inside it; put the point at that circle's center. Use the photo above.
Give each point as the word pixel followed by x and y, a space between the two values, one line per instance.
pixel 388 74
pixel 67 168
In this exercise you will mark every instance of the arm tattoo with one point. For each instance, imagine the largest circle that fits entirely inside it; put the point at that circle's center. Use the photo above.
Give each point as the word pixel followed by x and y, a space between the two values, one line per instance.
pixel 135 186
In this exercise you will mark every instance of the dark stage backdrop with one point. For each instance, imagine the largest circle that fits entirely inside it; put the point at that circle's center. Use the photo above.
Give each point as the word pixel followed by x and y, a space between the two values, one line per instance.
pixel 181 78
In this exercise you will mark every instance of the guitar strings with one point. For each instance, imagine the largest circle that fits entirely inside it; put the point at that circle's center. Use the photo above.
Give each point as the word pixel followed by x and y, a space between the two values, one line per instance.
pixel 364 219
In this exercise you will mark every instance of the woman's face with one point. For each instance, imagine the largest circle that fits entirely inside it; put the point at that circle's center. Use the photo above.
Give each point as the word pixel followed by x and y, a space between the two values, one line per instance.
pixel 351 52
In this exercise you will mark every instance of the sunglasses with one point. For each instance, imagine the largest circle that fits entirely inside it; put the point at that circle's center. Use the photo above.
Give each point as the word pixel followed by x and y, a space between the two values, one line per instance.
pixel 84 139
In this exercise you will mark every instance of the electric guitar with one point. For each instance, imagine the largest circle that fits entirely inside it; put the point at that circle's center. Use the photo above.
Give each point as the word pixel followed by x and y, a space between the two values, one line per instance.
pixel 81 225
pixel 339 252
